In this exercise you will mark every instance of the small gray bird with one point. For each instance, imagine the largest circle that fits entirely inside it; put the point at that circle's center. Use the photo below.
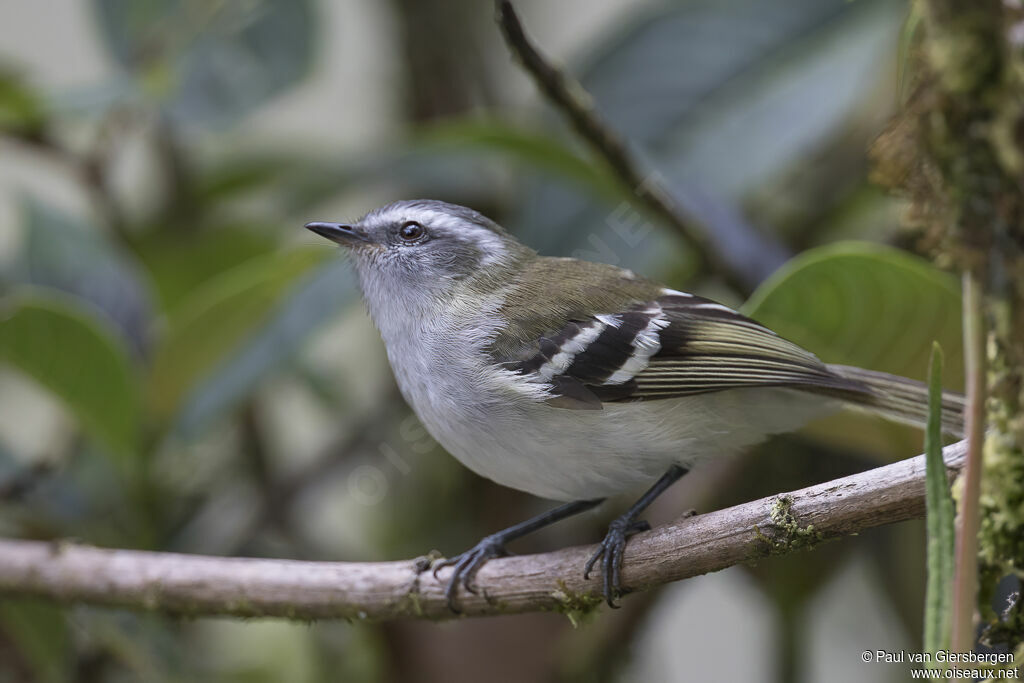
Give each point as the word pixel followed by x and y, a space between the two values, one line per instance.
pixel 576 381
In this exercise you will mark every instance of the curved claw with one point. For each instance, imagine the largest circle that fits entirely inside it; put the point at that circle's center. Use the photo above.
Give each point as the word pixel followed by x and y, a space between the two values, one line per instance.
pixel 610 553
pixel 467 565
pixel 442 563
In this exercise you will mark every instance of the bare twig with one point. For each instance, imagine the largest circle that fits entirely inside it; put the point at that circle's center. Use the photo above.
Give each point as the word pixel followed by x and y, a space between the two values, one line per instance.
pixel 569 97
pixel 965 577
pixel 244 587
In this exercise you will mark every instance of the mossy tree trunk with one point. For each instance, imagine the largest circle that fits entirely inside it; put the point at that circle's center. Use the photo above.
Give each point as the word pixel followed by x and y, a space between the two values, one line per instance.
pixel 957 152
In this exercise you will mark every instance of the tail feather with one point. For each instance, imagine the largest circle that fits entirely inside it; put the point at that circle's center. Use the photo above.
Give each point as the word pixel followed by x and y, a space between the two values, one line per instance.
pixel 902 399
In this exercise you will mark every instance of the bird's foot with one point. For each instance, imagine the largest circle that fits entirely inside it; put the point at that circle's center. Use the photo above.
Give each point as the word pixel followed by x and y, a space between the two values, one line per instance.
pixel 610 553
pixel 467 564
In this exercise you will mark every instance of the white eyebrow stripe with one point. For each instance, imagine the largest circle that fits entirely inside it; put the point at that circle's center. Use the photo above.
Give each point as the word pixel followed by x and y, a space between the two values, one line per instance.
pixel 492 246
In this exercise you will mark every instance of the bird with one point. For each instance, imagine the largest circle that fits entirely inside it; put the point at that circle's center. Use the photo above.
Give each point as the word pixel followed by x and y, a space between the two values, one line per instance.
pixel 576 381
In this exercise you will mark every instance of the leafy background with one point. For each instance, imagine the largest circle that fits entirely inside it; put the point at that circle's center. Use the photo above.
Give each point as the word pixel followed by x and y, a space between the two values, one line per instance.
pixel 183 368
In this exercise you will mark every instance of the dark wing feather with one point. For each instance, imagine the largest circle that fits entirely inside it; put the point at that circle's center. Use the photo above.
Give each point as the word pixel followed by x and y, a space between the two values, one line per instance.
pixel 708 347
pixel 676 345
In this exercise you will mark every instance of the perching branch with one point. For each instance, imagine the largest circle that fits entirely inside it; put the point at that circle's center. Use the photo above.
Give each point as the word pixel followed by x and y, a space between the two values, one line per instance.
pixel 197 585
pixel 740 270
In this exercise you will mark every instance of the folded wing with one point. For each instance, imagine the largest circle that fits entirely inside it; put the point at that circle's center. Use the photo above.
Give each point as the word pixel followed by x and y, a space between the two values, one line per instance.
pixel 672 346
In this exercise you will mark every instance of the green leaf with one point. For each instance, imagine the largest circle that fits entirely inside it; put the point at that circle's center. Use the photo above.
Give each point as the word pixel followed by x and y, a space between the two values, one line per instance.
pixel 538 150
pixel 309 305
pixel 867 305
pixel 863 304
pixel 218 318
pixel 71 353
pixel 181 261
pixel 39 634
pixel 939 504
pixel 22 111
pixel 243 174
pixel 210 62
pixel 65 252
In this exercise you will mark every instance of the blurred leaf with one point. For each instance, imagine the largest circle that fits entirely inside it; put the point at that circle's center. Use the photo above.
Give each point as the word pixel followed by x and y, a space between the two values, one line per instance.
pixel 763 82
pixel 940 517
pixel 9 465
pixel 867 305
pixel 286 184
pixel 39 632
pixel 310 305
pixel 95 101
pixel 180 261
pixel 449 158
pixel 864 304
pixel 210 62
pixel 72 354
pixel 22 110
pixel 138 646
pixel 243 174
pixel 88 496
pixel 536 149
pixel 220 317
pixel 66 253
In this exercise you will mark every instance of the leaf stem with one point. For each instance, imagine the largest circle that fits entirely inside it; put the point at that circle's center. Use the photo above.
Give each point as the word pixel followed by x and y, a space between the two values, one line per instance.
pixel 965 582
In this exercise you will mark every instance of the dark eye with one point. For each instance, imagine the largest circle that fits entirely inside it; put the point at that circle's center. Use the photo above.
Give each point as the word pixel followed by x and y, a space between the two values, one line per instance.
pixel 411 231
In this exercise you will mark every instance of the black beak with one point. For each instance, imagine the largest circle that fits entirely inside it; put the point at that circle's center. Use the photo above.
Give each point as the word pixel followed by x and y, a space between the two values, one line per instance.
pixel 345 235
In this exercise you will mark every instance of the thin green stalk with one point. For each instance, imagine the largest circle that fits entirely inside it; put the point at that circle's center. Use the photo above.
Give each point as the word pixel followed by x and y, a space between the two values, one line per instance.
pixel 940 519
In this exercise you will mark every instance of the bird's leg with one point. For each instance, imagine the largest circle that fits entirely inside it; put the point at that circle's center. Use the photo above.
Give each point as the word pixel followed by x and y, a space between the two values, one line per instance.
pixel 614 544
pixel 468 563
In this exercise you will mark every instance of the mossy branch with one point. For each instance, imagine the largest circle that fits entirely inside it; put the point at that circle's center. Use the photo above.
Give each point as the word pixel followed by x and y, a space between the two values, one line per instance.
pixel 245 587
pixel 956 151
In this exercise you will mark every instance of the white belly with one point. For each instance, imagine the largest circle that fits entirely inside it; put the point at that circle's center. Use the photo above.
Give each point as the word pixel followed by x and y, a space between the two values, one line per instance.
pixel 582 454
pixel 500 430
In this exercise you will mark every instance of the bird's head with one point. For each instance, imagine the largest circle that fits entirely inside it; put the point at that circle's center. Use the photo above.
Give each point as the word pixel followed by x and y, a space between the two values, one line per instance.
pixel 423 246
